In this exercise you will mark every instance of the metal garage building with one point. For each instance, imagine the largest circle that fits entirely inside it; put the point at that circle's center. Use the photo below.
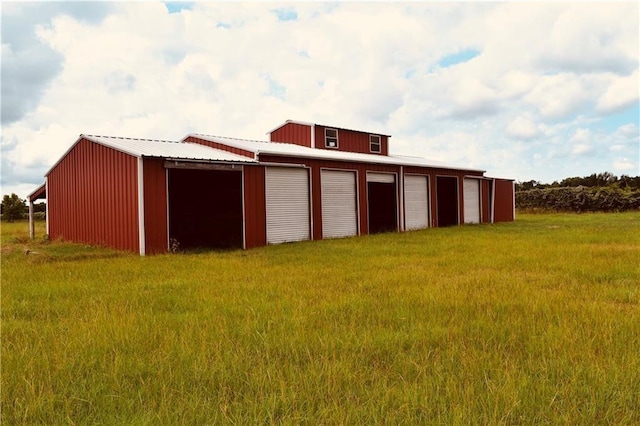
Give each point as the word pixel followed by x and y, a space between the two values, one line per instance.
pixel 309 182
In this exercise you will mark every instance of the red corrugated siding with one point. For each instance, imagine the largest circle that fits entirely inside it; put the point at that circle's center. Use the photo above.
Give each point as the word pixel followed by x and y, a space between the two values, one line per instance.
pixel 255 214
pixel 220 146
pixel 93 197
pixel 155 206
pixel 351 141
pixel 486 201
pixel 504 201
pixel 299 134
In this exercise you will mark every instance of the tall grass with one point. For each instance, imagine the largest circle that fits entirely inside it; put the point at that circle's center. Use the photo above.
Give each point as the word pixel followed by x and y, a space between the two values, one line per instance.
pixel 531 322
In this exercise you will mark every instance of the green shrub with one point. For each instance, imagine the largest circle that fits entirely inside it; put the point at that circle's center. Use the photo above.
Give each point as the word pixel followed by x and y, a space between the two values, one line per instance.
pixel 578 199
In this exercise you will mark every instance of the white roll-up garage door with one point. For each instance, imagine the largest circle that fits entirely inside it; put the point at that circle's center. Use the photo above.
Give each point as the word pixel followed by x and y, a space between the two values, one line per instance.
pixel 416 202
pixel 471 200
pixel 339 207
pixel 287 204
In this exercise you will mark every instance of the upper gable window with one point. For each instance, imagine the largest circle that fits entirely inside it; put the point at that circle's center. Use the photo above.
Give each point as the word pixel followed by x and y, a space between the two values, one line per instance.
pixel 374 143
pixel 330 138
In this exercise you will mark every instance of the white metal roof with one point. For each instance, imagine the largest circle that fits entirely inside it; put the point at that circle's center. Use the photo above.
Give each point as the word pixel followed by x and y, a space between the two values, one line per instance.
pixel 289 149
pixel 178 150
pixel 166 149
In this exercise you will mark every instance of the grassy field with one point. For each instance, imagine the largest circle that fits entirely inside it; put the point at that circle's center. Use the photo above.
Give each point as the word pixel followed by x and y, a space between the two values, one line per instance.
pixel 532 322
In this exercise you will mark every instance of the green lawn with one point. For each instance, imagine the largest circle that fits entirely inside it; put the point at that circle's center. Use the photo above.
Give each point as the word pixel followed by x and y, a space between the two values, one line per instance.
pixel 531 322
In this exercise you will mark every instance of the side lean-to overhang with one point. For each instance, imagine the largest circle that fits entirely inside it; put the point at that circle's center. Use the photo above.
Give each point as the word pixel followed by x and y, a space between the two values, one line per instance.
pixel 96 191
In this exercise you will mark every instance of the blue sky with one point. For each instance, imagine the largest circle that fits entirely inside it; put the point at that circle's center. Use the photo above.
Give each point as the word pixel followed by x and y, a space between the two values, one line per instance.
pixel 457 58
pixel 523 90
pixel 177 6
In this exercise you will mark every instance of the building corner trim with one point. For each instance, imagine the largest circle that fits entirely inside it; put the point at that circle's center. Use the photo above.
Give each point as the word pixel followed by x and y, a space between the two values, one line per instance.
pixel 313 136
pixel 141 231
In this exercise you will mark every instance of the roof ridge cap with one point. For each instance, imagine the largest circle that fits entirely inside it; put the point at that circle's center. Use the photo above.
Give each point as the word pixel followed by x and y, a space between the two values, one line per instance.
pixel 129 138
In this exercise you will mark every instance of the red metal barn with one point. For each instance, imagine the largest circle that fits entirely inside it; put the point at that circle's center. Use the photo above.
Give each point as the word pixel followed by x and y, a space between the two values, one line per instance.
pixel 309 182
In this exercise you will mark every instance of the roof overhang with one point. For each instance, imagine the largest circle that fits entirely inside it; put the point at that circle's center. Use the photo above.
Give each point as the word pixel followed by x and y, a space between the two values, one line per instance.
pixel 496 178
pixel 39 194
pixel 477 177
pixel 304 123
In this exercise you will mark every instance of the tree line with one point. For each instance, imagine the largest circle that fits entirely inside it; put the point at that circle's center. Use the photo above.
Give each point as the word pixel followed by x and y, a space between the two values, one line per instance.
pixel 596 192
pixel 599 180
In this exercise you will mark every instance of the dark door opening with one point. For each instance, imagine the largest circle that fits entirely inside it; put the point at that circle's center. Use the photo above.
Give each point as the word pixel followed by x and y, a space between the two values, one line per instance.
pixel 205 208
pixel 382 207
pixel 447 199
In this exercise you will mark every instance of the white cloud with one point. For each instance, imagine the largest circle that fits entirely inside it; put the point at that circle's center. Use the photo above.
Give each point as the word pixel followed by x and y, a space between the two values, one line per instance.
pixel 560 96
pixel 522 128
pixel 630 130
pixel 620 93
pixel 586 39
pixel 625 165
pixel 581 149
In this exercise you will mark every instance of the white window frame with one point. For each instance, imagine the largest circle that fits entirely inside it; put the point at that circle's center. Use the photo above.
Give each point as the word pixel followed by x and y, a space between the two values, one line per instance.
pixel 327 138
pixel 379 143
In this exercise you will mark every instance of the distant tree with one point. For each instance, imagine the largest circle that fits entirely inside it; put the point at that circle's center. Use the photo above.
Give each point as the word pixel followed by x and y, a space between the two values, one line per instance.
pixel 594 180
pixel 525 186
pixel 628 182
pixel 606 179
pixel 13 207
pixel 40 207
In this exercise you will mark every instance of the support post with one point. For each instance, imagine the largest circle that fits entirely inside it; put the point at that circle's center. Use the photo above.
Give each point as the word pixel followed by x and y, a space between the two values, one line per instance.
pixel 32 228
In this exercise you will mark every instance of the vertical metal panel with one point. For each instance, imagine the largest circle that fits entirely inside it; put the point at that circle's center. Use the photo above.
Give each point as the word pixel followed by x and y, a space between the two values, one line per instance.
pixel 46 183
pixel 296 133
pixel 503 201
pixel 339 205
pixel 471 189
pixel 287 204
pixel 255 228
pixel 155 206
pixel 486 200
pixel 93 197
pixel 416 201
